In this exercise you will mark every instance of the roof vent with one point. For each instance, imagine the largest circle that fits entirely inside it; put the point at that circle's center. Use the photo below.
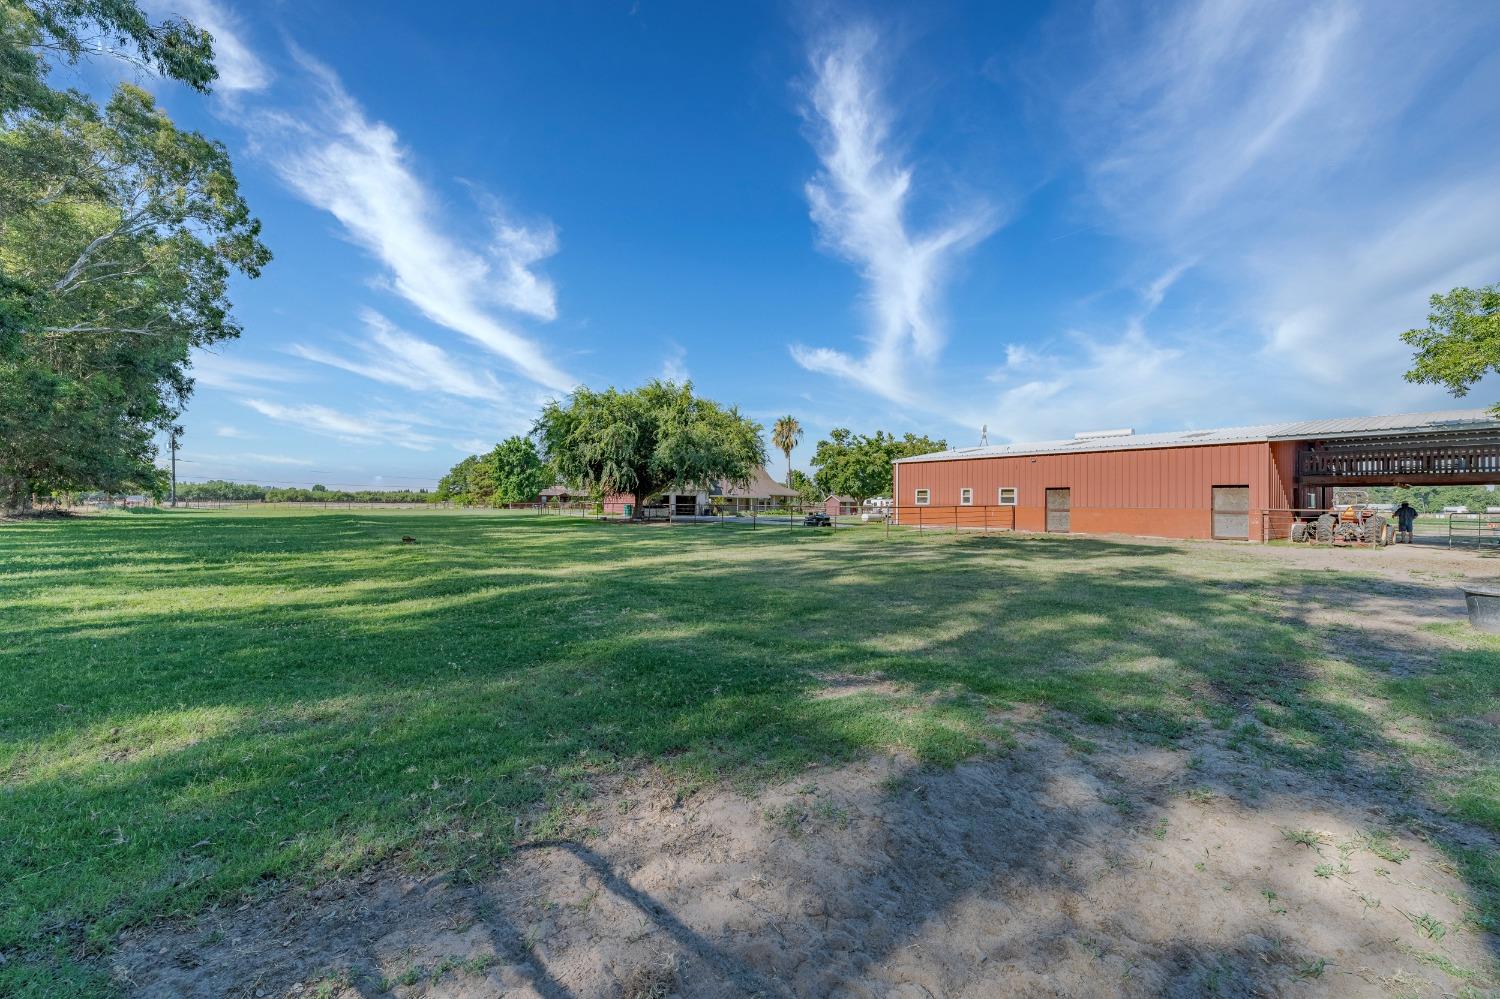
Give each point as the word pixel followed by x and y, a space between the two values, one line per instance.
pixel 1090 434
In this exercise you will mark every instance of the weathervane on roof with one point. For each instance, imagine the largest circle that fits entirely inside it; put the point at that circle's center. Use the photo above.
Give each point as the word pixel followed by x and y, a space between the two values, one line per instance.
pixel 984 435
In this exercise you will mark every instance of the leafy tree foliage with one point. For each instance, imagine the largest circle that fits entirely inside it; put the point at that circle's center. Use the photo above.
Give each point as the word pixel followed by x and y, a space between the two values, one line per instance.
pixel 513 472
pixel 807 489
pixel 68 30
pixel 857 465
pixel 118 235
pixel 1461 342
pixel 648 440
pixel 520 472
pixel 786 435
pixel 471 482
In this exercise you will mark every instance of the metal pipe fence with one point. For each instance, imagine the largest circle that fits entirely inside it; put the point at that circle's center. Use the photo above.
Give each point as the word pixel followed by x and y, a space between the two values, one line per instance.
pixel 955 519
pixel 1474 530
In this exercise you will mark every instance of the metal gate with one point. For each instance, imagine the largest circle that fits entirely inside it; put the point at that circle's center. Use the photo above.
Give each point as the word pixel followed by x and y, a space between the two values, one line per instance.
pixel 1059 503
pixel 1232 512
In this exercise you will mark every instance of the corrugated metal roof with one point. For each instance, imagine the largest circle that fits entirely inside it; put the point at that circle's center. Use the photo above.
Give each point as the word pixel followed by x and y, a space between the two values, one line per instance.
pixel 1359 426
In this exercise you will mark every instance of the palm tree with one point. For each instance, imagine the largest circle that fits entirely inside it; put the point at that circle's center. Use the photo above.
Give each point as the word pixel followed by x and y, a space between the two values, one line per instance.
pixel 787 434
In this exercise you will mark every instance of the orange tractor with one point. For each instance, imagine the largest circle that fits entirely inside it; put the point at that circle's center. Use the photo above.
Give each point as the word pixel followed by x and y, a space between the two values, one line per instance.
pixel 1352 520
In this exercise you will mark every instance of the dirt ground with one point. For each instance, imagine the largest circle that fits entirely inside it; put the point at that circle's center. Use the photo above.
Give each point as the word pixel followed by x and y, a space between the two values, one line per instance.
pixel 1052 867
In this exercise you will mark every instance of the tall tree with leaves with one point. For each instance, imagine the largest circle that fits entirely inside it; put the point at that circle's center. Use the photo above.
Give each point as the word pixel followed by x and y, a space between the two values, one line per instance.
pixel 118 235
pixel 860 466
pixel 1461 342
pixel 786 435
pixel 649 440
pixel 520 472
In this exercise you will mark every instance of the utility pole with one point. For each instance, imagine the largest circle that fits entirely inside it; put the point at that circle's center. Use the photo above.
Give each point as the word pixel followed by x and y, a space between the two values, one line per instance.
pixel 173 437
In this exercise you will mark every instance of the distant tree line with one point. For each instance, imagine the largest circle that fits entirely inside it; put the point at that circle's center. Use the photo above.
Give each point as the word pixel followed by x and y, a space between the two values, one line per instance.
pixel 221 490
pixel 1432 499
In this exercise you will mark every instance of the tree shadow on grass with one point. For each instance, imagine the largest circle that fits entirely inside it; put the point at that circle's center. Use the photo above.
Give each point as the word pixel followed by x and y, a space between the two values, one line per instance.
pixel 408 699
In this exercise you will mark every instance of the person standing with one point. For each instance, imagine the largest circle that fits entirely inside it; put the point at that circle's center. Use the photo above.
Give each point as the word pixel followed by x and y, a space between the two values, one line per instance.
pixel 1406 519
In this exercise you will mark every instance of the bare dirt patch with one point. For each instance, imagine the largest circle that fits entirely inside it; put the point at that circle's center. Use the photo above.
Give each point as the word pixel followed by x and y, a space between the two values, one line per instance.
pixel 1042 872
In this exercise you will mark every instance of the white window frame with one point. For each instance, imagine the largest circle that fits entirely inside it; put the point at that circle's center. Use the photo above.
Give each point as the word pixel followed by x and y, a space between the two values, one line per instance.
pixel 1015 496
pixel 966 496
pixel 922 497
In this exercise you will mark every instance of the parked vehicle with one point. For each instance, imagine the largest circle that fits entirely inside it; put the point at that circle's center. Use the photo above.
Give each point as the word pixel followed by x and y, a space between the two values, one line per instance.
pixel 877 508
pixel 1352 520
pixel 817 520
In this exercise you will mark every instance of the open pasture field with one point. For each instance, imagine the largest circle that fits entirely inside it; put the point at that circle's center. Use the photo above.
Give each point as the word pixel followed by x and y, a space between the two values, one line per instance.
pixel 283 753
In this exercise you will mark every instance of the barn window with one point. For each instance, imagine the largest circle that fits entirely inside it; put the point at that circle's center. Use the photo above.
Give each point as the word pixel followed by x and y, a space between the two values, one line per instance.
pixel 966 496
pixel 924 496
pixel 1007 495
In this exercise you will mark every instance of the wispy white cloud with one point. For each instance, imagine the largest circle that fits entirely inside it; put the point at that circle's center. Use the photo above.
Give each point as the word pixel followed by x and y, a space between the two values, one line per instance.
pixel 238 374
pixel 237 460
pixel 338 159
pixel 860 202
pixel 674 366
pixel 347 427
pixel 235 433
pixel 1193 102
pixel 393 356
pixel 1317 196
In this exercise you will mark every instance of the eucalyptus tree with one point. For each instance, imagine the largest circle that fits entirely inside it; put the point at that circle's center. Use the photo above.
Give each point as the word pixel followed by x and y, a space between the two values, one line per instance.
pixel 118 235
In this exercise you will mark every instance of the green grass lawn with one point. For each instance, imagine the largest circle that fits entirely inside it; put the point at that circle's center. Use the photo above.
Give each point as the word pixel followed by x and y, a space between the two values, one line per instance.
pixel 206 705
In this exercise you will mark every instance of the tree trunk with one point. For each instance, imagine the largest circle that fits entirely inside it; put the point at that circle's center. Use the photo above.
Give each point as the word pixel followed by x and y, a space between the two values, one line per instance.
pixel 637 512
pixel 15 494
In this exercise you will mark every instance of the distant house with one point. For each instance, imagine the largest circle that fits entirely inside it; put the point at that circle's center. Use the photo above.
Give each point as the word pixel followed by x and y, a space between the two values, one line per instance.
pixel 561 493
pixel 840 506
pixel 761 493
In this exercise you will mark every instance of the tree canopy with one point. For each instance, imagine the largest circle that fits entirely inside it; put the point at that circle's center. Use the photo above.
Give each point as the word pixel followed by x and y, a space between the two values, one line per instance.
pixel 1461 342
pixel 118 235
pixel 858 465
pixel 648 440
pixel 807 489
pixel 513 472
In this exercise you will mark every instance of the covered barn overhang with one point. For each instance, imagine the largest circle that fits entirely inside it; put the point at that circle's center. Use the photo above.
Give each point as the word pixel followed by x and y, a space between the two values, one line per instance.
pixel 1436 457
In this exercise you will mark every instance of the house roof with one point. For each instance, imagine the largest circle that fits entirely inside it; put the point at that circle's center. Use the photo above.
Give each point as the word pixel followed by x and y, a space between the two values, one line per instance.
pixel 840 498
pixel 1445 421
pixel 760 486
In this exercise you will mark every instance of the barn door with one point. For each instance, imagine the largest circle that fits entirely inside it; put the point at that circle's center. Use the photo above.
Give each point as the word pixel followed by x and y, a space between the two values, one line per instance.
pixel 1232 512
pixel 1059 503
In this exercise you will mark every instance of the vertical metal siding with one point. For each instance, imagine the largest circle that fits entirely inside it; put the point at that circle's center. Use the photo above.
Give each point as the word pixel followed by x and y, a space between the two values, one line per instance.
pixel 1126 491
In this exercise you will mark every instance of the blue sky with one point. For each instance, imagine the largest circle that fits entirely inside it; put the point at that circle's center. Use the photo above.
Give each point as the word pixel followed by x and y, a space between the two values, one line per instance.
pixel 1044 218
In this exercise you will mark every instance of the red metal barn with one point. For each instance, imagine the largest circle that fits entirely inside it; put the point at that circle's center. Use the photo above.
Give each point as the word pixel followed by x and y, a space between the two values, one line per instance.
pixel 1241 483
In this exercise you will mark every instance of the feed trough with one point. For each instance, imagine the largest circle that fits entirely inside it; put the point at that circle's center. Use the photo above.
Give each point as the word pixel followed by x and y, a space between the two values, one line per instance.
pixel 1484 608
